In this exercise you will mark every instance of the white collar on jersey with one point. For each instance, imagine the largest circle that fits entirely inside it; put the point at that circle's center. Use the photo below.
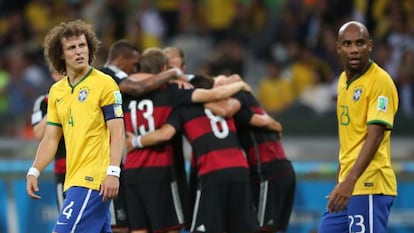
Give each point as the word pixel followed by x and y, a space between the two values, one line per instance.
pixel 118 72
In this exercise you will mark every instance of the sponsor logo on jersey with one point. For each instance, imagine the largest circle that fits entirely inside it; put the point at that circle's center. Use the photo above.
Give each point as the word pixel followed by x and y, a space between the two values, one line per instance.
pixel 369 184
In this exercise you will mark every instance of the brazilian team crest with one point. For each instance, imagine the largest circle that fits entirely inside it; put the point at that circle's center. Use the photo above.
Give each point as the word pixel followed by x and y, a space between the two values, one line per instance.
pixel 83 94
pixel 357 94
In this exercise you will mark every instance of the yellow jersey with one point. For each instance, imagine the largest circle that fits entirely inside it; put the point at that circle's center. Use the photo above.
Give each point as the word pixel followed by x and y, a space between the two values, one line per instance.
pixel 370 98
pixel 79 111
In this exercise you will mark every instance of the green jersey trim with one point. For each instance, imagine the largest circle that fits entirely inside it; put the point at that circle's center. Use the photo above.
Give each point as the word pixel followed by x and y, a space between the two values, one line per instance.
pixel 389 126
pixel 54 124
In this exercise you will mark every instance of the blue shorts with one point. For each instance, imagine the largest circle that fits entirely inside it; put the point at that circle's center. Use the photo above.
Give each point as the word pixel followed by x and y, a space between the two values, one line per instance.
pixel 364 213
pixel 83 211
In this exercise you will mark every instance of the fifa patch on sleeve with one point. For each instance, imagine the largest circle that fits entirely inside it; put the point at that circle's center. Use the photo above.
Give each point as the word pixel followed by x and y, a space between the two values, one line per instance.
pixel 118 97
pixel 382 104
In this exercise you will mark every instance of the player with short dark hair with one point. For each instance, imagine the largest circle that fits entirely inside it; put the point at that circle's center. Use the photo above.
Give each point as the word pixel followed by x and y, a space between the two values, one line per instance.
pixel 366 106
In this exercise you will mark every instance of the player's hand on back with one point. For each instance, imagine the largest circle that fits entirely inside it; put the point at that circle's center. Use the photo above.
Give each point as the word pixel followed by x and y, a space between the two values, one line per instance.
pixel 182 84
pixel 247 87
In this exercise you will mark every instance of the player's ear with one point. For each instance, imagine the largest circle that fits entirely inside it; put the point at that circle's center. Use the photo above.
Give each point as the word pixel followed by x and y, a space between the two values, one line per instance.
pixel 370 44
pixel 338 48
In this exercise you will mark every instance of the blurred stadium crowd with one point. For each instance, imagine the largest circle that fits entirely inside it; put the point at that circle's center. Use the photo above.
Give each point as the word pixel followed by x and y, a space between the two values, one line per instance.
pixel 284 48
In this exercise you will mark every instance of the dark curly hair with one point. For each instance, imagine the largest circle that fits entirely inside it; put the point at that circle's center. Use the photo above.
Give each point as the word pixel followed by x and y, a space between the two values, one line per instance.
pixel 52 44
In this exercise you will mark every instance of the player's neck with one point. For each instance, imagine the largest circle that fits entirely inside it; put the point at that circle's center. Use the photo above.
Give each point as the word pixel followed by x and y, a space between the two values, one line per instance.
pixel 76 75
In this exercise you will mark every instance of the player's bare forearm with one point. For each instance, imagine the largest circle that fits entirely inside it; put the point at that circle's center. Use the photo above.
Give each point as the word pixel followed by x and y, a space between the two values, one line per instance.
pixel 225 80
pixel 368 150
pixel 158 136
pixel 224 108
pixel 217 93
pixel 44 155
pixel 267 122
pixel 47 147
pixel 137 86
pixel 39 129
pixel 163 134
pixel 117 131
pixel 133 88
pixel 339 197
pixel 110 187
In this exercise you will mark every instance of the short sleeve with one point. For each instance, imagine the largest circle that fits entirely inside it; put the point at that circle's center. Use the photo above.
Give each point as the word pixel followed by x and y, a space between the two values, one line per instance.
pixel 111 94
pixel 52 116
pixel 175 119
pixel 383 102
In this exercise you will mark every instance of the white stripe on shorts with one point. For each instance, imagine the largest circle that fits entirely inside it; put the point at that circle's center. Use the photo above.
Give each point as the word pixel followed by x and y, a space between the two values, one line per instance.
pixel 264 185
pixel 85 202
pixel 196 206
pixel 112 212
pixel 59 195
pixel 177 202
pixel 371 212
